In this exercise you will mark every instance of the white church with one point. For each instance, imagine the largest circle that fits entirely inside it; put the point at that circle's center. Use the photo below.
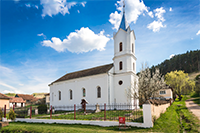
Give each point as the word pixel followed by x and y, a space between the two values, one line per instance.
pixel 102 84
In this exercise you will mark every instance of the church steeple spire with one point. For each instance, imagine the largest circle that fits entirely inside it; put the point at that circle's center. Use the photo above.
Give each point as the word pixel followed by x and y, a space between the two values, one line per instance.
pixel 124 24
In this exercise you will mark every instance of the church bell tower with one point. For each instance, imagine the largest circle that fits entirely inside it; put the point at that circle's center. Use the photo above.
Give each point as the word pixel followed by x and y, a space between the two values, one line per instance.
pixel 124 48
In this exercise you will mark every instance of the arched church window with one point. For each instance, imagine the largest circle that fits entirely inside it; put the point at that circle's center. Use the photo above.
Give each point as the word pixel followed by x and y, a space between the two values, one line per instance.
pixel 83 92
pixel 120 65
pixel 120 46
pixel 70 91
pixel 133 48
pixel 59 95
pixel 98 92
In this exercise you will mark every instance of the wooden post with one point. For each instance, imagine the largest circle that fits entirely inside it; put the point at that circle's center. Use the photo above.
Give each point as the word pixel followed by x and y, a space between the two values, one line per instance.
pixel 5 111
pixel 14 108
pixel 51 112
pixel 104 112
pixel 30 111
pixel 74 111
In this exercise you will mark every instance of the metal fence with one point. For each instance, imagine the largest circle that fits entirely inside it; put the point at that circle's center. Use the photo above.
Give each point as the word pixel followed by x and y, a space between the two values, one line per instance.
pixel 77 112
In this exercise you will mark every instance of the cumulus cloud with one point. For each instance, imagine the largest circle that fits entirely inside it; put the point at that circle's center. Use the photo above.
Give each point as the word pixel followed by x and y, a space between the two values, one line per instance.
pixel 78 11
pixel 80 41
pixel 198 33
pixel 156 25
pixel 170 9
pixel 134 8
pixel 53 7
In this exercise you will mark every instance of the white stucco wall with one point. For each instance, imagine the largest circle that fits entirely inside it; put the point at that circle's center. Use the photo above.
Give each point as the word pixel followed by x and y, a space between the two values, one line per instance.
pixel 90 84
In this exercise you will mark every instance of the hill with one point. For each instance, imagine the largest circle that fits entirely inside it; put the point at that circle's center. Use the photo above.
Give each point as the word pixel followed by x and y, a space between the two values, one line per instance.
pixel 189 62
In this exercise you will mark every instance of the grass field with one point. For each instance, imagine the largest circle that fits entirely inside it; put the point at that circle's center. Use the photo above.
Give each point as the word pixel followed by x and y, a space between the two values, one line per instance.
pixel 176 119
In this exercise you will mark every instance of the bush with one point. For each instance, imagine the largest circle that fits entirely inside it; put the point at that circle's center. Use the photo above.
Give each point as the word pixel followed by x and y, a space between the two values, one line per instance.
pixel 42 109
pixel 11 115
pixel 1 114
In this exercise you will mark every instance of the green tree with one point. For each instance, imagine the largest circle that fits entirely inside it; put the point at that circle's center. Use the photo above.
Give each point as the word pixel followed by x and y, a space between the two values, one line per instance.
pixel 179 81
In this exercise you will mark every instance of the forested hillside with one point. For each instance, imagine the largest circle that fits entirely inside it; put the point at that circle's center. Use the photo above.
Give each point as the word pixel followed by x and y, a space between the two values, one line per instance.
pixel 188 62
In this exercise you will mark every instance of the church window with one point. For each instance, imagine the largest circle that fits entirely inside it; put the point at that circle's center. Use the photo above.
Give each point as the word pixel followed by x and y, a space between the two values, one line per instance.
pixel 83 92
pixel 120 82
pixel 120 65
pixel 120 46
pixel 133 48
pixel 70 94
pixel 59 94
pixel 98 92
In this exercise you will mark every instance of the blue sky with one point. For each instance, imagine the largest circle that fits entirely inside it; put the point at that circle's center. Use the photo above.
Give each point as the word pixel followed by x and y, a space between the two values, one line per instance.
pixel 42 40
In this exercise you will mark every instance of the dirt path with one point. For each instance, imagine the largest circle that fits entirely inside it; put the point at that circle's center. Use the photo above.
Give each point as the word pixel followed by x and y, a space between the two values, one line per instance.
pixel 194 108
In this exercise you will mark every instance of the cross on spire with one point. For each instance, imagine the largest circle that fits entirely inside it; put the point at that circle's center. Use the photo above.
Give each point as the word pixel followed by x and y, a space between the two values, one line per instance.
pixel 124 6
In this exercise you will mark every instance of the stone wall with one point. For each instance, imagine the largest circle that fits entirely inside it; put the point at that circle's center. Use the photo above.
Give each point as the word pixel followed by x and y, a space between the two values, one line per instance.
pixel 156 110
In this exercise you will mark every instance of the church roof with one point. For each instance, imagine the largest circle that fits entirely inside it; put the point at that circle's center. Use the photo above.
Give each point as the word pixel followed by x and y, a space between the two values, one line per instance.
pixel 124 24
pixel 86 72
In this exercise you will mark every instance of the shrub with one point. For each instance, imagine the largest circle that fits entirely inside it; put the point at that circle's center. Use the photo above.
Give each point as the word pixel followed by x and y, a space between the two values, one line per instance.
pixel 12 115
pixel 1 114
pixel 42 108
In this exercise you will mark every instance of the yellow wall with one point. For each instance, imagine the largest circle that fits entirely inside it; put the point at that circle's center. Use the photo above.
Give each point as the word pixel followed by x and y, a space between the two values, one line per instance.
pixel 4 102
pixel 168 93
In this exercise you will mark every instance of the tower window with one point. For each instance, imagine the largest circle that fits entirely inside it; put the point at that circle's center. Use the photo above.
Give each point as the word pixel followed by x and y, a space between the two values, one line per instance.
pixel 70 94
pixel 120 46
pixel 59 95
pixel 98 92
pixel 133 48
pixel 83 92
pixel 120 82
pixel 120 65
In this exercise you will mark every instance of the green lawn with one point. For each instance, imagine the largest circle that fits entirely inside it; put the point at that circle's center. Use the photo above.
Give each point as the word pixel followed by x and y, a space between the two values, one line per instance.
pixel 136 116
pixel 176 119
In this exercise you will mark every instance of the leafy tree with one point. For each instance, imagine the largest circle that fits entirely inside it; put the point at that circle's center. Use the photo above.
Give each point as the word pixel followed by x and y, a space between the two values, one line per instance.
pixel 147 86
pixel 179 81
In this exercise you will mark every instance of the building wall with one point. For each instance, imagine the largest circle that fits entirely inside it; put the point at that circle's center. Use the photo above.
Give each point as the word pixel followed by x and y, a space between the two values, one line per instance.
pixel 90 84
pixel 4 102
pixel 168 93
pixel 157 110
pixel 17 105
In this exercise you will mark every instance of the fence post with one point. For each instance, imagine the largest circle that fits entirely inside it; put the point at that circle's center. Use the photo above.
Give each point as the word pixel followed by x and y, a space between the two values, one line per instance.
pixel 51 112
pixel 30 111
pixel 104 112
pixel 14 108
pixel 147 114
pixel 5 111
pixel 74 111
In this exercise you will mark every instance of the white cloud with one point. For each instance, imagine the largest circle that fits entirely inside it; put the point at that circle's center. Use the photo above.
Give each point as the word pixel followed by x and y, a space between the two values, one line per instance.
pixel 82 40
pixel 134 8
pixel 159 13
pixel 151 14
pixel 171 56
pixel 78 11
pixel 156 25
pixel 36 6
pixel 198 33
pixel 28 5
pixel 83 4
pixel 170 9
pixel 53 7
pixel 41 34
